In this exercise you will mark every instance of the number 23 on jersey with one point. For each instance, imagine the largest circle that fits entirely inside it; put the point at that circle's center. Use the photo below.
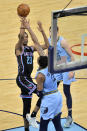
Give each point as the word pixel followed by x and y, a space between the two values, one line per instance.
pixel 29 60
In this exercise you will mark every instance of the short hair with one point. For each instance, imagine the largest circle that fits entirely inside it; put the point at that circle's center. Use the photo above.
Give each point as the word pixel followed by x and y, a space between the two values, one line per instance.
pixel 43 61
pixel 57 28
pixel 24 33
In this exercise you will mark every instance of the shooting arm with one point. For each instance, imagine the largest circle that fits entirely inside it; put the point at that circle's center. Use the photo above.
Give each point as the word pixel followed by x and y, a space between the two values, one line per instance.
pixel 34 38
pixel 18 46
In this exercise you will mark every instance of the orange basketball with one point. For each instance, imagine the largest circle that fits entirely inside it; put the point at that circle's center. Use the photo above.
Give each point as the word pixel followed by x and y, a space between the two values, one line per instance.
pixel 23 10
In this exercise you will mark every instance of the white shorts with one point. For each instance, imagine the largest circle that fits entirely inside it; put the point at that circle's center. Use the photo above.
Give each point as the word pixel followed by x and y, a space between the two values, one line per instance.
pixel 51 105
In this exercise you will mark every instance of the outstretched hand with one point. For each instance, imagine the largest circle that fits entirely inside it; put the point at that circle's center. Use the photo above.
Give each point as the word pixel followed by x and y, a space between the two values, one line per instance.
pixel 25 22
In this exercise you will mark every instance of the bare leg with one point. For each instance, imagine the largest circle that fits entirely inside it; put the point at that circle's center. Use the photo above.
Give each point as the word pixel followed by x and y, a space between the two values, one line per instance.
pixel 26 124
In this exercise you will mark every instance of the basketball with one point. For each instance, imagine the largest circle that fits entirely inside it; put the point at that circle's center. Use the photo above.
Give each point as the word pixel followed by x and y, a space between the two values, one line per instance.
pixel 23 10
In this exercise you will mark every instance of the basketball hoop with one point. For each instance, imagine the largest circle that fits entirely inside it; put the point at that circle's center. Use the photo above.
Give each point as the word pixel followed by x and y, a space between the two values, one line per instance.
pixel 76 52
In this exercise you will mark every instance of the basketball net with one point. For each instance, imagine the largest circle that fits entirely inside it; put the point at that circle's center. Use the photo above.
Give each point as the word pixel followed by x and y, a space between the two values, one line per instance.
pixel 83 54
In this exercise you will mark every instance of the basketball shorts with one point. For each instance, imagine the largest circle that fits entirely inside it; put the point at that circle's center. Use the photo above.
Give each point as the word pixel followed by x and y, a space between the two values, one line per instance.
pixel 51 105
pixel 26 85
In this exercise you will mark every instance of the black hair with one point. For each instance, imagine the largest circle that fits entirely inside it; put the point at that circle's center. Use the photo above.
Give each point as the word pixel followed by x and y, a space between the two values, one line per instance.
pixel 19 34
pixel 57 28
pixel 43 61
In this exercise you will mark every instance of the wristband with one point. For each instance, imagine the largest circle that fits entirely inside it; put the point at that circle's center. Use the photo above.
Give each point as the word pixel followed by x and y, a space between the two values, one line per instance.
pixel 39 93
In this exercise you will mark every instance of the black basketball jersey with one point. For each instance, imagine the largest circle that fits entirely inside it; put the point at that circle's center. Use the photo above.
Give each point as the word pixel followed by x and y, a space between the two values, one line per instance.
pixel 25 61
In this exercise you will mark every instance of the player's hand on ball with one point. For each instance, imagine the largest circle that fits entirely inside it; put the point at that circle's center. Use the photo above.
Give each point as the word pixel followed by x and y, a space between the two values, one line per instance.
pixel 26 23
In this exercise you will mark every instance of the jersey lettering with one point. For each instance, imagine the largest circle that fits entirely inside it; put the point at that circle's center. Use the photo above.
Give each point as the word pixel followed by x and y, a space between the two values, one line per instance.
pixel 58 56
pixel 52 76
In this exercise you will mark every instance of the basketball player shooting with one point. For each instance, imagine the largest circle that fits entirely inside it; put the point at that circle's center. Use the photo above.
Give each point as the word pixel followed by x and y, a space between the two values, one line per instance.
pixel 24 54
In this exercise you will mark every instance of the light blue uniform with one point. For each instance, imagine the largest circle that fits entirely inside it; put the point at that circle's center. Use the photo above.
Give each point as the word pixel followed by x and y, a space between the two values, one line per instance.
pixel 51 104
pixel 61 52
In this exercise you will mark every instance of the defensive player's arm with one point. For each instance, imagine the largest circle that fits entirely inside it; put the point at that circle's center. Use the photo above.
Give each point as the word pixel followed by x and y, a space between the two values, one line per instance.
pixel 34 39
pixel 65 45
pixel 37 47
pixel 18 47
pixel 40 80
pixel 40 28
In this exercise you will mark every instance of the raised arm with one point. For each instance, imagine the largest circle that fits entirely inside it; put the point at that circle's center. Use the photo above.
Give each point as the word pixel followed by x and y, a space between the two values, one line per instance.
pixel 65 45
pixel 40 28
pixel 34 38
pixel 18 47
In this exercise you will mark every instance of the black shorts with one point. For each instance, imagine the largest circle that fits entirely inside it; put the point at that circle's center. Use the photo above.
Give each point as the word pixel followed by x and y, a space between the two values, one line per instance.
pixel 26 85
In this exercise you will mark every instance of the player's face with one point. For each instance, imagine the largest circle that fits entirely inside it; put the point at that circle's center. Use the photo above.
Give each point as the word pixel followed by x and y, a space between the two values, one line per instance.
pixel 25 39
